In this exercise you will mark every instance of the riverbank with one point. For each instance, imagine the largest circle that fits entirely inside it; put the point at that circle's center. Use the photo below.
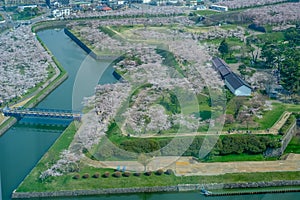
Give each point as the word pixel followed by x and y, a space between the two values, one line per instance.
pixel 41 92
pixel 85 47
pixel 91 53
pixel 218 189
pixel 66 185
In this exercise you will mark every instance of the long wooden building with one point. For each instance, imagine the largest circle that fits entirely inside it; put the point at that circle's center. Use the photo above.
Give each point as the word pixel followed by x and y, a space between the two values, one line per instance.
pixel 234 83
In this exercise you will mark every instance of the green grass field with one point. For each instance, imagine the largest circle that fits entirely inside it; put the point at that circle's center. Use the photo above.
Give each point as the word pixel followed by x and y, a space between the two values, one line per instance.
pixel 205 12
pixel 124 28
pixel 294 145
pixel 238 157
pixel 271 37
pixel 270 117
pixel 67 182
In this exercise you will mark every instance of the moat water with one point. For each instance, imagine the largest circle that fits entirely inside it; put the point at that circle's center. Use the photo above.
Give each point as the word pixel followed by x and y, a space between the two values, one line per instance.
pixel 23 145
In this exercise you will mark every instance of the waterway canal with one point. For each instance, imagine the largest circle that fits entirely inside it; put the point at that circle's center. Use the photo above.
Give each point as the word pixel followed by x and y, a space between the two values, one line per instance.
pixel 23 145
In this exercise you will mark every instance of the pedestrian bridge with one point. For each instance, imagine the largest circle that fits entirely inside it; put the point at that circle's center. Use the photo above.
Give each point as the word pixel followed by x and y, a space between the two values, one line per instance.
pixel 19 113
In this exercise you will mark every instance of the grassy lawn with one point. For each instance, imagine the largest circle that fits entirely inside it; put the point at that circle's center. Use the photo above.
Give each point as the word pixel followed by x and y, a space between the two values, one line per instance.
pixel 238 157
pixel 170 60
pixel 292 107
pixel 270 117
pixel 206 12
pixel 271 37
pixel 124 28
pixel 6 123
pixel 294 145
pixel 231 41
pixel 23 16
pixel 68 183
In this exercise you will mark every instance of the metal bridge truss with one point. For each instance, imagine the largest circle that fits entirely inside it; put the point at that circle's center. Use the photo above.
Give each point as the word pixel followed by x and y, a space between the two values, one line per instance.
pixel 41 113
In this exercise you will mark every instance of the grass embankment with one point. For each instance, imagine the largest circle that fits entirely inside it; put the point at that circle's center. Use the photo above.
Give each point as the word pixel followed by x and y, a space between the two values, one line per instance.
pixel 205 12
pixel 228 148
pixel 270 117
pixel 62 75
pixel 124 28
pixel 170 60
pixel 287 125
pixel 68 183
pixel 294 145
pixel 239 157
pixel 46 90
pixel 48 24
pixel 32 183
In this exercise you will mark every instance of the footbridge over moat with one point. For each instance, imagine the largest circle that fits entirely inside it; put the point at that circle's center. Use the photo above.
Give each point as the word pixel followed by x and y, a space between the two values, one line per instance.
pixel 20 113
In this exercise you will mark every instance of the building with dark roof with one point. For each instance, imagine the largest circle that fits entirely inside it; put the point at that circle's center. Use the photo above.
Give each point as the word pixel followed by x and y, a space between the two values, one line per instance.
pixel 224 71
pixel 234 83
pixel 217 62
pixel 237 85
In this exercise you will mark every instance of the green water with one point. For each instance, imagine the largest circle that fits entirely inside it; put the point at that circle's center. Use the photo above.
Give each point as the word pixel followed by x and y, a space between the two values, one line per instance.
pixel 23 145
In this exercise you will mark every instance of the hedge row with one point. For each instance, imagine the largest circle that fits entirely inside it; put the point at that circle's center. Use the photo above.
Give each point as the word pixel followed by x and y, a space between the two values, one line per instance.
pixel 118 174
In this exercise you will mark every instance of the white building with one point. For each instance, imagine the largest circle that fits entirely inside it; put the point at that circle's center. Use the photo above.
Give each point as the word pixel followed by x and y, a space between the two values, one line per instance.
pixel 219 8
pixel 237 85
pixel 61 12
pixel 28 6
pixel 234 83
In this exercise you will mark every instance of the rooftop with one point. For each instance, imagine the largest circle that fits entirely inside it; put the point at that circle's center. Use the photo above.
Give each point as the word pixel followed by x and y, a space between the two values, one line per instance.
pixel 235 81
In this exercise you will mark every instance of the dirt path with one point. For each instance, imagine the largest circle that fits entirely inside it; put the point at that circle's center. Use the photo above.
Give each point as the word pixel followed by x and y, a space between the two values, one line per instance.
pixel 22 103
pixel 1 118
pixel 187 166
pixel 275 128
pixel 239 167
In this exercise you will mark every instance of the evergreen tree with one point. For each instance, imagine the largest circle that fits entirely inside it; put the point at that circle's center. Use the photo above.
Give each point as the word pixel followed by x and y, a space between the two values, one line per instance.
pixel 223 48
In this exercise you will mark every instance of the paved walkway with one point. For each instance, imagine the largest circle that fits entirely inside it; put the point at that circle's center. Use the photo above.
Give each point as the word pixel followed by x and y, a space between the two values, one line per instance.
pixel 187 166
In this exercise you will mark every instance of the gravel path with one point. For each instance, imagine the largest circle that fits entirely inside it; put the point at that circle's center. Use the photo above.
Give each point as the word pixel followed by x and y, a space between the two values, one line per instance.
pixel 187 166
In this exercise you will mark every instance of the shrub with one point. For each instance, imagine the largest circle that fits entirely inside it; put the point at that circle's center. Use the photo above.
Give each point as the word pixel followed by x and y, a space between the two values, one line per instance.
pixel 257 28
pixel 106 174
pixel 86 175
pixel 287 125
pixel 76 176
pixel 159 172
pixel 126 174
pixel 169 172
pixel 137 174
pixel 96 175
pixel 148 173
pixel 117 174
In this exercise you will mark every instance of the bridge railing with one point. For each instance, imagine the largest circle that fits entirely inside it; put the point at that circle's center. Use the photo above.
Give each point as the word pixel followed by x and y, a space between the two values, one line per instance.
pixel 52 113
